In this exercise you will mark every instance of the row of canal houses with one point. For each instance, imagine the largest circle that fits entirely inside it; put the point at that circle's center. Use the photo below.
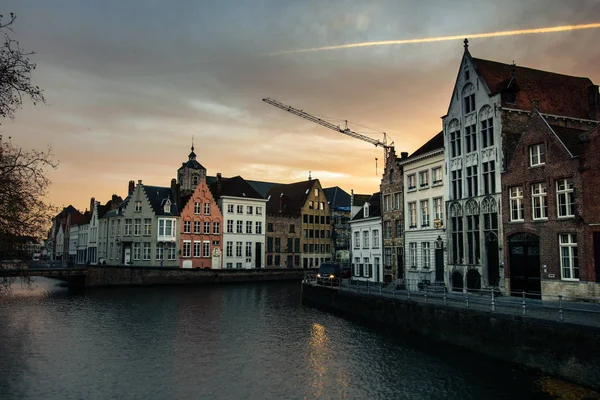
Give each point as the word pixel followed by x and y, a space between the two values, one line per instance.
pixel 504 197
pixel 201 221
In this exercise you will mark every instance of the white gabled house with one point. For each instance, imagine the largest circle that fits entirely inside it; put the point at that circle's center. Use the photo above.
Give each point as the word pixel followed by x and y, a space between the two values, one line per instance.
pixel 367 245
pixel 244 220
pixel 424 209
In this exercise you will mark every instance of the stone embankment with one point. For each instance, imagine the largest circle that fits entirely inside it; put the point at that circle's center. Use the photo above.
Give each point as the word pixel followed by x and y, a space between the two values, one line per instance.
pixel 567 350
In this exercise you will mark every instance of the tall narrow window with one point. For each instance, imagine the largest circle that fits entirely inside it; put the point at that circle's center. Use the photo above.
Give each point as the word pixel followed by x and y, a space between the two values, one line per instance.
pixel 424 213
pixel 412 214
pixel 538 199
pixel 569 261
pixel 438 208
pixel 457 240
pixel 472 181
pixel 473 252
pixel 426 254
pixel 455 144
pixel 365 239
pixel 516 203
pixel 564 198
pixel 489 177
pixel 469 103
pixel 197 206
pixel 412 255
pixel 206 208
pixel 423 179
pixel 436 175
pixel 487 133
pixel 456 185
pixel 471 138
pixel 357 240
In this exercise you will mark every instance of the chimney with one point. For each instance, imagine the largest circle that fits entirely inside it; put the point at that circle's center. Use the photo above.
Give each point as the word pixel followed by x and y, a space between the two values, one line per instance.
pixel 218 184
pixel 594 102
pixel 351 198
pixel 131 187
pixel 92 203
pixel 113 202
pixel 139 181
pixel 403 155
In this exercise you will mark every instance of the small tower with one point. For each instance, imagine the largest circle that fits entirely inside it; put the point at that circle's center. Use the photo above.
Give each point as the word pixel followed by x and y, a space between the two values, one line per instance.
pixel 191 173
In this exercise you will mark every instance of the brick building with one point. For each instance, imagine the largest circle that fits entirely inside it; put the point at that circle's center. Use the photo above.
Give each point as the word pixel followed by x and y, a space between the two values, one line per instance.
pixel 481 130
pixel 299 229
pixel 393 217
pixel 549 190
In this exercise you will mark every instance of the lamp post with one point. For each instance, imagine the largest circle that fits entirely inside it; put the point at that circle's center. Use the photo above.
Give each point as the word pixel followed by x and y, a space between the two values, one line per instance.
pixel 439 259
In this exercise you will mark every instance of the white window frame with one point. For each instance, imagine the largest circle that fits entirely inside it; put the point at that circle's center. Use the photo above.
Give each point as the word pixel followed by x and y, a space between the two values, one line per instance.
pixel 197 207
pixel 412 254
pixel 206 208
pixel 365 239
pixel 539 201
pixel 423 179
pixel 426 255
pixel 239 226
pixel 436 176
pixel 375 239
pixel 206 248
pixel 516 204
pixel 229 226
pixel 240 209
pixel 412 214
pixel 424 213
pixel 567 243
pixel 230 208
pixel 138 206
pixel 216 228
pixel 187 226
pixel 206 228
pixel 258 210
pixel 357 240
pixel 186 252
pixel 197 248
pixel 137 251
pixel 229 249
pixel 147 251
pixel 438 208
pixel 537 154
pixel 258 226
pixel 248 226
pixel 197 227
pixel 411 182
pixel 249 210
pixel 564 194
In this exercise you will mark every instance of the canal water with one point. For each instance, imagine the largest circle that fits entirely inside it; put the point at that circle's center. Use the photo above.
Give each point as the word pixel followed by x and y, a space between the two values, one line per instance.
pixel 253 341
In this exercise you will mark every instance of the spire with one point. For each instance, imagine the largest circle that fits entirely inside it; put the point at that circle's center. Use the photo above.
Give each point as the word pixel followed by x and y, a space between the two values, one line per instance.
pixel 192 155
pixel 466 42
pixel 309 178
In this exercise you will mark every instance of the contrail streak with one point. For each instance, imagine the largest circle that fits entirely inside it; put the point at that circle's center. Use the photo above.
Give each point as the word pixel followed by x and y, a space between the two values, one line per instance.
pixel 563 28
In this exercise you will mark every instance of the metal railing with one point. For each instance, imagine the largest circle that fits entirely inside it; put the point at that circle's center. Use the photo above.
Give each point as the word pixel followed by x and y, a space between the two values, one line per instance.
pixel 557 308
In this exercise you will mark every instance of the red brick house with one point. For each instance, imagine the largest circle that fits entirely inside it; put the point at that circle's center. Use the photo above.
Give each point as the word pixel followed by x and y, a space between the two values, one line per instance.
pixel 550 191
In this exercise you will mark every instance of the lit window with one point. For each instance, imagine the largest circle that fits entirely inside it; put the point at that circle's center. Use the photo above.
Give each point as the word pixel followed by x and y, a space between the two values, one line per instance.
pixel 539 202
pixel 516 203
pixel 565 198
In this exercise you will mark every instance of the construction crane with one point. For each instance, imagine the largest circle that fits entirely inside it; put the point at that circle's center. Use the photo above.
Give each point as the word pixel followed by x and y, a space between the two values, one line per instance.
pixel 346 131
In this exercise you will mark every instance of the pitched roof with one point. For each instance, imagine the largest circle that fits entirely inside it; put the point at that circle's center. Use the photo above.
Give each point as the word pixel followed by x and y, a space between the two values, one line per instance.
pixel 374 208
pixel 288 199
pixel 235 187
pixel 571 138
pixel 360 199
pixel 337 197
pixel 557 94
pixel 435 143
pixel 157 196
pixel 260 186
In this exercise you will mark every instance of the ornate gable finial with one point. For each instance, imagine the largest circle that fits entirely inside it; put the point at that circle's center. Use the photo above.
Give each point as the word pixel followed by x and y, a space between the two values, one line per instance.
pixel 309 178
pixel 466 42
pixel 192 142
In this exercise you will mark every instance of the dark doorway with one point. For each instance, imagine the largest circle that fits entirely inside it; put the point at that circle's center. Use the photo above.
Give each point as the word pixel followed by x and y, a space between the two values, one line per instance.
pixel 400 262
pixel 524 251
pixel 457 282
pixel 492 258
pixel 439 265
pixel 597 255
pixel 258 253
pixel 473 280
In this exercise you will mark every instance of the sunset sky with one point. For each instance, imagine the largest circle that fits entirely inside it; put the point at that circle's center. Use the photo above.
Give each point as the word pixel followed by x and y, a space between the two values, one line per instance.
pixel 128 83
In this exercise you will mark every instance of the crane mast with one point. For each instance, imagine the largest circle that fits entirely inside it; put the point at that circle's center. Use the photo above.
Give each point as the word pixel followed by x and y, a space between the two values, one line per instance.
pixel 346 131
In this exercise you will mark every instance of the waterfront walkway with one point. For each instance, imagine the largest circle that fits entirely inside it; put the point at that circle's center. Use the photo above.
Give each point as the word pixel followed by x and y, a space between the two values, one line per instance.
pixel 561 310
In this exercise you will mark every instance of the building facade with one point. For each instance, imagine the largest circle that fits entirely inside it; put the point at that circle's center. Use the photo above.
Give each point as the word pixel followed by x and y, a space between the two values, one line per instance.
pixel 244 219
pixel 367 242
pixel 392 201
pixel 340 204
pixel 552 240
pixel 424 209
pixel 316 239
pixel 477 133
pixel 201 229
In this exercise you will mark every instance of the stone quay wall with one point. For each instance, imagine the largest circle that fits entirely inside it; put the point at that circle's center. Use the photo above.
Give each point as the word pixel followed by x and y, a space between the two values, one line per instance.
pixel 137 276
pixel 561 349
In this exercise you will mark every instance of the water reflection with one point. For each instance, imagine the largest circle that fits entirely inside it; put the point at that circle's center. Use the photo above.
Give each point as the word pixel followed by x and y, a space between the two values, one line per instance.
pixel 228 342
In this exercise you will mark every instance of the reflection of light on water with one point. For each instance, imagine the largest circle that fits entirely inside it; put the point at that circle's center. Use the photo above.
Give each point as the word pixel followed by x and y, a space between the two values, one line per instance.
pixel 321 361
pixel 559 389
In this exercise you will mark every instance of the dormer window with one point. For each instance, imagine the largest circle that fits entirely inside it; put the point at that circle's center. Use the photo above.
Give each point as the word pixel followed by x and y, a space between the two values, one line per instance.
pixel 195 180
pixel 167 206
pixel 537 155
pixel 138 206
pixel 366 210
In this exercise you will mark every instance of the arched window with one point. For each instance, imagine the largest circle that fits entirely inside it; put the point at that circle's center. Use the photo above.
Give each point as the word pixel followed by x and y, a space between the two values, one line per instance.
pixel 468 98
pixel 195 180
pixel 488 205
pixel 455 210
pixel 472 207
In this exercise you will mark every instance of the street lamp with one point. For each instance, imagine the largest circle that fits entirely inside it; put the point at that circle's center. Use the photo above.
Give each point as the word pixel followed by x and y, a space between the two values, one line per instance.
pixel 439 242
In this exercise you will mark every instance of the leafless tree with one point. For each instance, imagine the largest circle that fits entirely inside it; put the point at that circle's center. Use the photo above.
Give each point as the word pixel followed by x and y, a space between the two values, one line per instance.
pixel 24 209
pixel 15 73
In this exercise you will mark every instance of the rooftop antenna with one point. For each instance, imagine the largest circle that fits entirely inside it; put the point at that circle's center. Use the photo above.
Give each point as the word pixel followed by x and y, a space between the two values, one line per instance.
pixel 375 166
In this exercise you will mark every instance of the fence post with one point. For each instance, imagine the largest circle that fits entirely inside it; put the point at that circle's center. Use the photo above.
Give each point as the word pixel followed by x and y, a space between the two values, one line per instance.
pixel 493 301
pixel 524 309
pixel 561 316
